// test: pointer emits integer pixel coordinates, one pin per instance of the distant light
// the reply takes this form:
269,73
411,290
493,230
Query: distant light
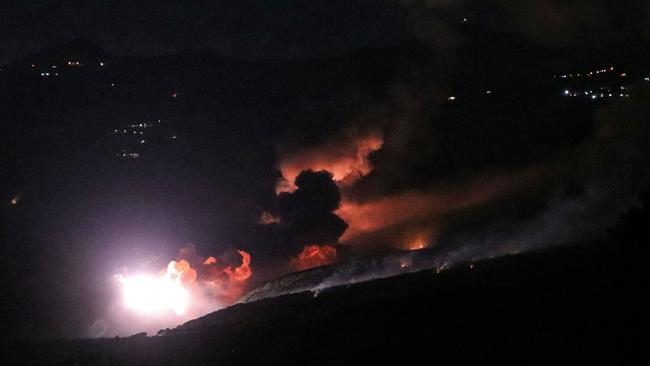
488,92
142,141
14,201
593,97
623,75
101,63
465,20
567,92
646,78
451,98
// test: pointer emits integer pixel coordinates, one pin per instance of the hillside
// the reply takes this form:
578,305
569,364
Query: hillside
556,303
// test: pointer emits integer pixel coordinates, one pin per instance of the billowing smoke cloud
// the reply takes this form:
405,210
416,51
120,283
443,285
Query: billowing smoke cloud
412,211
470,176
347,159
517,206
308,211
224,277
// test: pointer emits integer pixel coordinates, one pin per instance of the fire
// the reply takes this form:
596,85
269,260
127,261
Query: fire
347,161
314,256
417,245
181,286
151,295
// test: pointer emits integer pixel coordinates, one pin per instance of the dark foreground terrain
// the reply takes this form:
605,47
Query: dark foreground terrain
581,303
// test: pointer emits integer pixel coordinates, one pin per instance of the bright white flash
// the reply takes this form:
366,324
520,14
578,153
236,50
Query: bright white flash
150,295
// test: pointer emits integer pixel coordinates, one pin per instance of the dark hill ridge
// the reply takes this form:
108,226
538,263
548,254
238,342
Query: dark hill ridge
568,303
80,50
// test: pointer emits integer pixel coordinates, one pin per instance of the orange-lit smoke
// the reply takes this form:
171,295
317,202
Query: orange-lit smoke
314,256
418,209
226,282
346,159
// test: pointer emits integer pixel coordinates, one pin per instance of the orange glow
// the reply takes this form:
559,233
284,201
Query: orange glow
226,282
346,160
417,245
425,209
314,256
243,272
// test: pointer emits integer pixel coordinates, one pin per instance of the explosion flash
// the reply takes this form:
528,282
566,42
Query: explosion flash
150,295
187,285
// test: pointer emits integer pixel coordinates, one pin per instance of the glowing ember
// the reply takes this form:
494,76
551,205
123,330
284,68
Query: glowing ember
314,256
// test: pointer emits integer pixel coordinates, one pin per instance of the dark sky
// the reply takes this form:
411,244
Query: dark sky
440,122
242,28
292,28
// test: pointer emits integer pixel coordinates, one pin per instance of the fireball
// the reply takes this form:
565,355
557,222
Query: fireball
182,288
151,295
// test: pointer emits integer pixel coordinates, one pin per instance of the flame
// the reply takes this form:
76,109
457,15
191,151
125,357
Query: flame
347,160
417,245
314,256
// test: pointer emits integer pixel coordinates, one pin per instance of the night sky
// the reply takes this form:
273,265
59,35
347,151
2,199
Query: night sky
281,128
